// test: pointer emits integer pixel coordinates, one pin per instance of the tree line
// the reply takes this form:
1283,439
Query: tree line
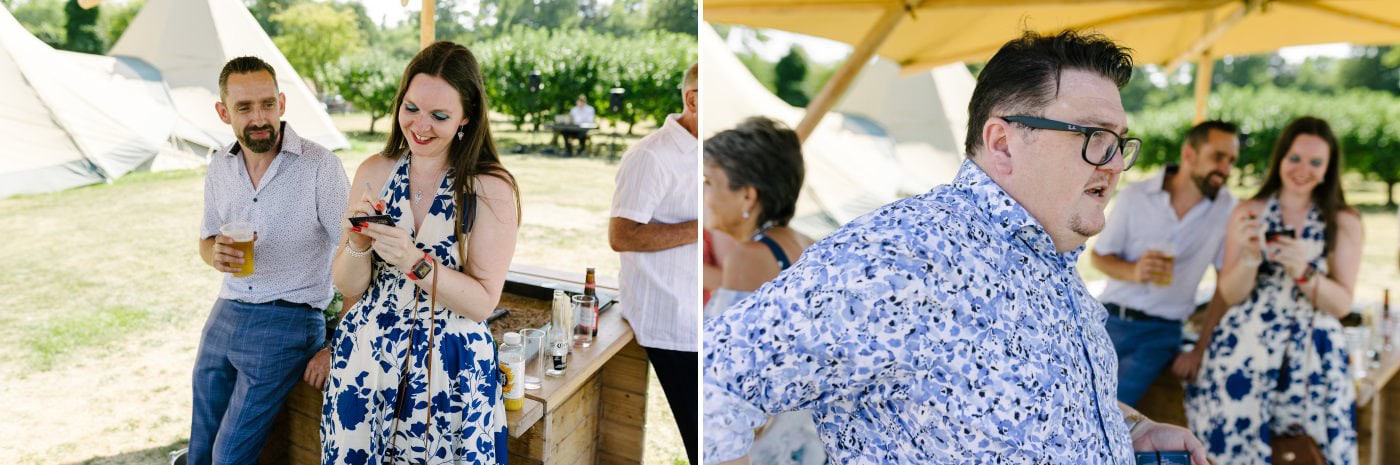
577,46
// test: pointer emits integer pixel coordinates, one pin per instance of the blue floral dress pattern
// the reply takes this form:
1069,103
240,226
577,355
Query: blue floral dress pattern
1238,402
943,328
369,347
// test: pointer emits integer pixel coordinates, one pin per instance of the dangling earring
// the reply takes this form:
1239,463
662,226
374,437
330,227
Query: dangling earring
746,214
459,134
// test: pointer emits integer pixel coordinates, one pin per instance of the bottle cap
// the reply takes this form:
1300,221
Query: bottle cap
512,338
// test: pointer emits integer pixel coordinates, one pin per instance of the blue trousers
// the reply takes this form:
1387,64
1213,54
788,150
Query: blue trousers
1144,349
250,356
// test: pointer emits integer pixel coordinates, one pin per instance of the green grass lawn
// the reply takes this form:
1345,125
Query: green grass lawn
108,275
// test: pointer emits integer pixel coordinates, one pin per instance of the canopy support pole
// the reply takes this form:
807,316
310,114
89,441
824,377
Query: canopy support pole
842,79
426,36
1204,67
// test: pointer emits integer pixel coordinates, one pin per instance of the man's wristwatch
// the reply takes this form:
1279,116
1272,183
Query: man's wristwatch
421,269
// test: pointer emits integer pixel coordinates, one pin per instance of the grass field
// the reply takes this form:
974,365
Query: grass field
105,295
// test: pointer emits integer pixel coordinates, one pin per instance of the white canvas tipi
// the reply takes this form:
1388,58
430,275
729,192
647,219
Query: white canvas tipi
70,119
189,41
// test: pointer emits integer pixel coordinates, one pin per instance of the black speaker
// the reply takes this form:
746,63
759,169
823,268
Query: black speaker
615,100
534,82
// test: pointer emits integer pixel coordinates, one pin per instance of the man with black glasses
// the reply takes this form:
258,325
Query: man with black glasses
952,327
1162,235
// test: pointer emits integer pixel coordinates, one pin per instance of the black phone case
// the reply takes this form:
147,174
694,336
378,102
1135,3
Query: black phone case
380,219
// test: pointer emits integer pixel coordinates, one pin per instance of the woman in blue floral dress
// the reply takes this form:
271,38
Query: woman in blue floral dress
1276,363
413,375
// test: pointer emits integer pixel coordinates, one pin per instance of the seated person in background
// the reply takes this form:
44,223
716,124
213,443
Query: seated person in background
1162,235
582,116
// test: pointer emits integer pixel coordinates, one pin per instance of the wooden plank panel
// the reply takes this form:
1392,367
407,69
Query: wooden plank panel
305,401
529,445
519,421
578,445
623,408
626,373
607,457
624,442
298,455
580,409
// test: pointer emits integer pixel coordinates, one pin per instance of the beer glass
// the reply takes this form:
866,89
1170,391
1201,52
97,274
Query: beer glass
534,351
585,319
1167,250
242,235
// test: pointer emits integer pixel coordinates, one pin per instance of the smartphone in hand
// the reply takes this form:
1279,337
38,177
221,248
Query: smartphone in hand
1273,234
359,221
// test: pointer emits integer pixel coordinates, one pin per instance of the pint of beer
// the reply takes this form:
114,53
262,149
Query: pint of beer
1165,250
242,235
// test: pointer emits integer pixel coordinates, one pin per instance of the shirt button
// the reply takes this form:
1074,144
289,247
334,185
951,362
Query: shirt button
250,288
255,199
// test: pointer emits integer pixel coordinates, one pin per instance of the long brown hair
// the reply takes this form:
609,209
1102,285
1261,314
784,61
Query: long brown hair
475,153
1328,195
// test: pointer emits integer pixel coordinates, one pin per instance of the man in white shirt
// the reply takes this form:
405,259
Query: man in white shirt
655,213
582,115
1162,235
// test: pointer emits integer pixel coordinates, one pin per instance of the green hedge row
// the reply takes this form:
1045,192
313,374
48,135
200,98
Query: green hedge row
1367,123
649,67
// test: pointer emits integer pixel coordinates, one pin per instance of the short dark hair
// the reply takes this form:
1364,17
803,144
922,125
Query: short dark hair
764,154
1024,76
243,65
1200,133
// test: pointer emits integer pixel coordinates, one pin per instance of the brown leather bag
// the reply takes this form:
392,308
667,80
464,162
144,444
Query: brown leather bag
1296,449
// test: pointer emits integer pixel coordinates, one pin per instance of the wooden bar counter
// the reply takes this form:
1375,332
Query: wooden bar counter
594,414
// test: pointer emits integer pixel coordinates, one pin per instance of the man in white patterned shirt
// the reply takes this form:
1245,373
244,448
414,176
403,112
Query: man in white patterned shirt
264,326
655,212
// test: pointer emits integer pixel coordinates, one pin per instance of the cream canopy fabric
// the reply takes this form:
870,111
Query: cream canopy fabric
1162,32
190,40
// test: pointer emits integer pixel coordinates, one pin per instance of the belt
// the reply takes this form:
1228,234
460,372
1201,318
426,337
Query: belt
283,303
1133,314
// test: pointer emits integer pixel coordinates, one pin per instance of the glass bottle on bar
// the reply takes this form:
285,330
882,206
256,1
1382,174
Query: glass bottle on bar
590,288
560,335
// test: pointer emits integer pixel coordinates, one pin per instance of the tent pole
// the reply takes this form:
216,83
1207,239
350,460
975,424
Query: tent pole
425,37
1204,68
839,82
1213,33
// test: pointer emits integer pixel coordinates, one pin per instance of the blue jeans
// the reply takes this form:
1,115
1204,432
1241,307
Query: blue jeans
249,358
1144,349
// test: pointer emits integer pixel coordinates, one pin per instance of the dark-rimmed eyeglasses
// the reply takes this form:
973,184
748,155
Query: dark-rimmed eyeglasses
1102,143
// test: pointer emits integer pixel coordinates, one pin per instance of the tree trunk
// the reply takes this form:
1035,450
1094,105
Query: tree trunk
372,120
1390,193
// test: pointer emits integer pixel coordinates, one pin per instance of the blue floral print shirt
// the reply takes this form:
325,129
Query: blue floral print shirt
943,328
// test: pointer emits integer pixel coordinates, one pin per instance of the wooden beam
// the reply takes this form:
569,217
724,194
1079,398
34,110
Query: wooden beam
839,82
427,35
1204,65
1203,73
1213,34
